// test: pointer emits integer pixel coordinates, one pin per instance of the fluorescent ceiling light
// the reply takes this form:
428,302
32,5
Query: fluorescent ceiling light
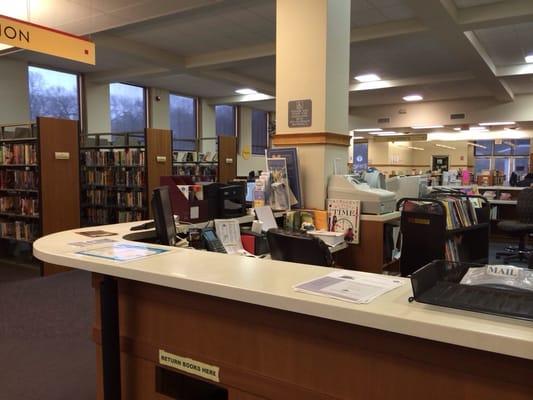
495,123
445,146
415,148
246,91
413,97
389,133
476,145
476,129
358,137
367,78
367,130
456,129
529,58
427,126
472,135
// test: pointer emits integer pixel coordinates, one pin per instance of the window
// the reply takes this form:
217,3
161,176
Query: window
225,120
360,156
481,165
504,155
259,132
53,94
127,108
183,122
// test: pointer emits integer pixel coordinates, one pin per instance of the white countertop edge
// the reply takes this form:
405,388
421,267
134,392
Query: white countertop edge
509,336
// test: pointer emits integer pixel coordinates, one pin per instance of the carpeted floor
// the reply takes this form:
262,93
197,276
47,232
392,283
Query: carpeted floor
45,348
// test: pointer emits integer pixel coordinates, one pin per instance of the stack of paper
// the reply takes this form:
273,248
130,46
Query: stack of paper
356,287
229,233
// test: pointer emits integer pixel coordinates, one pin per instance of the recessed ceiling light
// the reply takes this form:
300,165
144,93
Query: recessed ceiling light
529,58
495,123
427,126
368,78
413,97
245,91
367,130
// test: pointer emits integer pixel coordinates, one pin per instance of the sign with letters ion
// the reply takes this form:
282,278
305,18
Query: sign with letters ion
26,35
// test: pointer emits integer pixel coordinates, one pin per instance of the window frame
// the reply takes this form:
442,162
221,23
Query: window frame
493,157
146,106
80,92
267,141
196,121
236,120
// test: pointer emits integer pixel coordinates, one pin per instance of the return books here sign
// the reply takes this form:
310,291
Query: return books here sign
29,36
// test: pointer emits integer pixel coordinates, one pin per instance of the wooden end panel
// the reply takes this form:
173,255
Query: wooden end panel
227,150
158,144
60,187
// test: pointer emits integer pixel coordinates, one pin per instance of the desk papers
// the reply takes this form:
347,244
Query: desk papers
122,252
353,286
229,233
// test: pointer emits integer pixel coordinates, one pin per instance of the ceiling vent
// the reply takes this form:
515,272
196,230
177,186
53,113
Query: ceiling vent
384,120
458,116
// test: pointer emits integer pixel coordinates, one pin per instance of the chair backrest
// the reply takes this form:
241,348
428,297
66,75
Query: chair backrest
524,206
298,247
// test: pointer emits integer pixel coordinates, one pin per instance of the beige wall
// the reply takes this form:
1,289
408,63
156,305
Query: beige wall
97,98
396,156
160,109
15,106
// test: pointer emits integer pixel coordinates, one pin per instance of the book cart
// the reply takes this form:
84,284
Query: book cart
446,226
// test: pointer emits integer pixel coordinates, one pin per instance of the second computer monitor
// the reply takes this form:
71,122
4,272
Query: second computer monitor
163,217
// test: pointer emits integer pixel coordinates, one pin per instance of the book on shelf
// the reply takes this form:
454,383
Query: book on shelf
451,250
18,153
19,179
114,157
28,206
19,230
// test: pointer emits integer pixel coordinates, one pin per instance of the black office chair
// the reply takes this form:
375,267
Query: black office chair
519,229
298,247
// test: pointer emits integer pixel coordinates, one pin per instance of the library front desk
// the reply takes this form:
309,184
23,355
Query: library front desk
198,325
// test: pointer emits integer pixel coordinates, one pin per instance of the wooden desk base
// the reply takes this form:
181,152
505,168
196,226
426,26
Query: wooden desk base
265,353
368,254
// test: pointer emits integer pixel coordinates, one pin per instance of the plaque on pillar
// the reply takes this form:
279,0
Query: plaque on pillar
300,113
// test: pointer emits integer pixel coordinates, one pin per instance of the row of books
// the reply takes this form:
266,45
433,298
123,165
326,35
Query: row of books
114,177
122,199
460,213
102,216
19,205
18,153
451,249
194,156
17,179
19,230
113,157
196,170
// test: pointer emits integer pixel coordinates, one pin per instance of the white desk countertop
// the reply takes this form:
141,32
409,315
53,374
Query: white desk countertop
269,283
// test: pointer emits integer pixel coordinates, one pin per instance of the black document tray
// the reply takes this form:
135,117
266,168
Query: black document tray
437,283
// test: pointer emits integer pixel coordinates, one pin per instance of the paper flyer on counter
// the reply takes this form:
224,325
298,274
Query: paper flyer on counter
122,252
353,286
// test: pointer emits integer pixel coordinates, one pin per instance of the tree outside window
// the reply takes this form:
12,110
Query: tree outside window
127,108
53,94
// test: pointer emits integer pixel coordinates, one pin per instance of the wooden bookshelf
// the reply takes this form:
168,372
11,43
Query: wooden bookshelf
36,196
118,173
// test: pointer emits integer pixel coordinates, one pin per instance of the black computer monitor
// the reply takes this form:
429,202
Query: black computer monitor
163,218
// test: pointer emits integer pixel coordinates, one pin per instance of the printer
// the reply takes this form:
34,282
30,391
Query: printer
350,187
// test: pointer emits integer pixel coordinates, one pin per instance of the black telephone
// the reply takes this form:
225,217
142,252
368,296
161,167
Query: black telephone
212,242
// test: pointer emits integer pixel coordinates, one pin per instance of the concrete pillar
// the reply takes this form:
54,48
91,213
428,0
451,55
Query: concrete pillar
312,83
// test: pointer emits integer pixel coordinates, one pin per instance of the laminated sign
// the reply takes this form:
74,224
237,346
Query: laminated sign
26,35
